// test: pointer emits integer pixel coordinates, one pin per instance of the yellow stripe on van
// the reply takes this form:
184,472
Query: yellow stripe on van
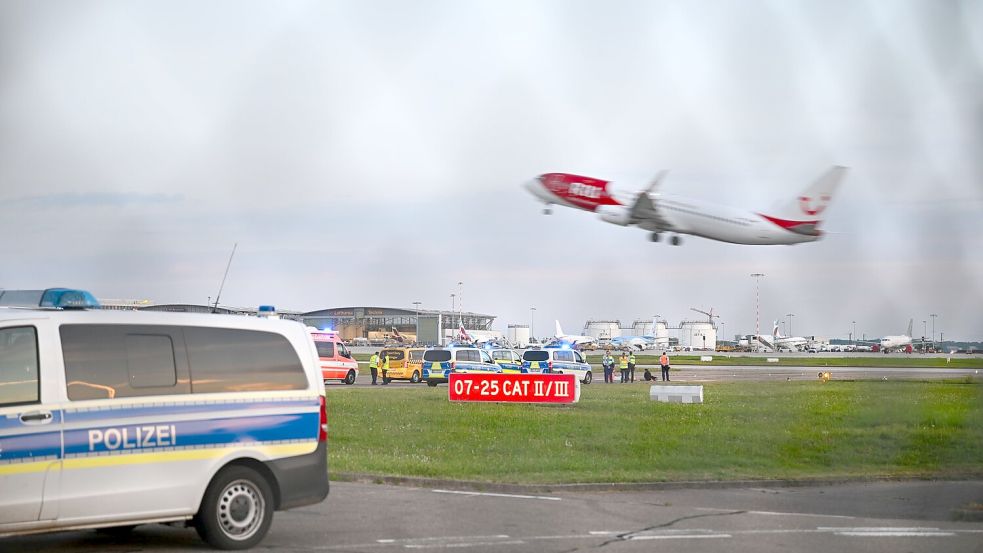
272,451
275,451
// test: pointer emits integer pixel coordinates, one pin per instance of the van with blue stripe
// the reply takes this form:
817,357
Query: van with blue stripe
439,363
115,419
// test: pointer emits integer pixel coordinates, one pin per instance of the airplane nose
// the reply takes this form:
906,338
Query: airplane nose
532,186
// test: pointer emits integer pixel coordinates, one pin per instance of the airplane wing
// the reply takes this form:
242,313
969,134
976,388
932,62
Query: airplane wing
643,210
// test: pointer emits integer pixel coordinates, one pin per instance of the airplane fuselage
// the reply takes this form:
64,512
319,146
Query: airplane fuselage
677,214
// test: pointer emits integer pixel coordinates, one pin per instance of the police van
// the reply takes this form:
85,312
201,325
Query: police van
439,363
114,419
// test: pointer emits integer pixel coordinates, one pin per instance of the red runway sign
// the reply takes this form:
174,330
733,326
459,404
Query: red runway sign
515,388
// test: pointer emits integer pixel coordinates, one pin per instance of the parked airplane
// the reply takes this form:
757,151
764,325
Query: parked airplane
634,342
787,342
898,343
572,339
795,221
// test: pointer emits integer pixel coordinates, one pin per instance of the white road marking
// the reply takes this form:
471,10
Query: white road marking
462,544
888,532
513,496
778,513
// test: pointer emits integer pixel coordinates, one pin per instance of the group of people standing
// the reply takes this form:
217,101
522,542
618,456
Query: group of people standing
626,363
376,364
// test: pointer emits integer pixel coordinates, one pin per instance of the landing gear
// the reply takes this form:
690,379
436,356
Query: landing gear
655,237
676,240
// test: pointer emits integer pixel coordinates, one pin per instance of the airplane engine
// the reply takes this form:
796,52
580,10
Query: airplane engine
613,214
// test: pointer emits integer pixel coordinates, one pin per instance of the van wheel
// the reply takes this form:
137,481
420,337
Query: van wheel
415,379
237,510
350,378
431,383
588,378
386,380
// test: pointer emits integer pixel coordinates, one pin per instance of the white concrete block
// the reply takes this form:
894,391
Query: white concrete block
706,358
772,360
676,394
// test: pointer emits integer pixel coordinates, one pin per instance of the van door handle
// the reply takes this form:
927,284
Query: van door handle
41,417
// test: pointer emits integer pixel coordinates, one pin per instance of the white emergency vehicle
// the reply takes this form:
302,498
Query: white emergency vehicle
114,419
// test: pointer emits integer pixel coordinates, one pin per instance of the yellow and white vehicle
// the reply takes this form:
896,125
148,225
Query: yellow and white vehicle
404,364
114,419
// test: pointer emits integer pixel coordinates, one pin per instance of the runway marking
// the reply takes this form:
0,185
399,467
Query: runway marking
513,496
772,513
888,532
687,534
462,544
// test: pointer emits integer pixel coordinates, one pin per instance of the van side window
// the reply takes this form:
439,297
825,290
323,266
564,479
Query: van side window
343,351
564,355
325,349
150,361
233,360
115,361
19,381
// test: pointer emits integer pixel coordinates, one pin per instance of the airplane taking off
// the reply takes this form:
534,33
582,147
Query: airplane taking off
796,221
572,339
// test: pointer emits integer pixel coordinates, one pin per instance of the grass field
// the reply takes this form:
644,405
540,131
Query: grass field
616,434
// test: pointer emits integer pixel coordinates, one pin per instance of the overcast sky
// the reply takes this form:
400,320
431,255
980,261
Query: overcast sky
371,153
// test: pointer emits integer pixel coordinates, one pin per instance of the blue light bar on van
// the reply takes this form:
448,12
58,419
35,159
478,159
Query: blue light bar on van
59,298
66,298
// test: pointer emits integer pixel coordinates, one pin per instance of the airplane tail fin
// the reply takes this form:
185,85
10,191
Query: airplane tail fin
910,322
774,331
559,331
807,207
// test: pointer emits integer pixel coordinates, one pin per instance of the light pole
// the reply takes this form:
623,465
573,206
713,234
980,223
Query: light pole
460,300
416,305
790,315
757,319
453,307
854,335
532,323
933,315
924,330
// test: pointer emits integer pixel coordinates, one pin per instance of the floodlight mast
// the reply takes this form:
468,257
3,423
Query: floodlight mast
757,311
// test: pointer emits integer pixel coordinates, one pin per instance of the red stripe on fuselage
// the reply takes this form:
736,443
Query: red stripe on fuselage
794,226
583,192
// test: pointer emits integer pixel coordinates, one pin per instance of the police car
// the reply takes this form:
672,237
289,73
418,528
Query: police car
508,359
557,360
439,363
115,419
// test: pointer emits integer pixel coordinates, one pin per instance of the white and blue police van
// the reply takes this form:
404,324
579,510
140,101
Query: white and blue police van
111,419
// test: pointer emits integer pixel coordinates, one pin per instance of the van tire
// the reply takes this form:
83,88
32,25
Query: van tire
415,379
588,377
350,378
431,383
220,520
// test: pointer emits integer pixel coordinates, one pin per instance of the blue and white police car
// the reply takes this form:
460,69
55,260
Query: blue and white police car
115,419
439,363
557,360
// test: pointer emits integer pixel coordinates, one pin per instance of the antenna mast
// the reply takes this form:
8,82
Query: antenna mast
229,264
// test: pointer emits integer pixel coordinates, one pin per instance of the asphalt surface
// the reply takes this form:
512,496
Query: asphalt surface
873,517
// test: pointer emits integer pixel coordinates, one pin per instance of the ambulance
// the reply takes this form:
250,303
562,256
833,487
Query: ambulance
112,419
334,358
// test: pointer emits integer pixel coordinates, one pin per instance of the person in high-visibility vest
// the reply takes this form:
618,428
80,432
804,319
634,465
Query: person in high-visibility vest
623,365
631,366
374,367
607,362
664,361
385,369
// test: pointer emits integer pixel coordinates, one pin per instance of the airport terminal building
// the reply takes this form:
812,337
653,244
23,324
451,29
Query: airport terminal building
376,325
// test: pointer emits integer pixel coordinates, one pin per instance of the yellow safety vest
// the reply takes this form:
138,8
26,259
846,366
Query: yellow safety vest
374,362
632,359
623,362
385,364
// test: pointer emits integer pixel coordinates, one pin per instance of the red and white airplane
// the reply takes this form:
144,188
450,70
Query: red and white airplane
797,220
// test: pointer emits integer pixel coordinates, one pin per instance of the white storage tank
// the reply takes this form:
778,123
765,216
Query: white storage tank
642,328
603,330
697,335
661,335
518,335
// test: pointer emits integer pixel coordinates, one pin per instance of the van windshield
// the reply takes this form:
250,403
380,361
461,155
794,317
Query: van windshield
393,354
437,355
536,355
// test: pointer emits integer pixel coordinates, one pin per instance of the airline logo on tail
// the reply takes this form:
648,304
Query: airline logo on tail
463,334
805,202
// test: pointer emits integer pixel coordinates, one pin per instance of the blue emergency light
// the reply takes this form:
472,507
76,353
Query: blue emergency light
52,298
